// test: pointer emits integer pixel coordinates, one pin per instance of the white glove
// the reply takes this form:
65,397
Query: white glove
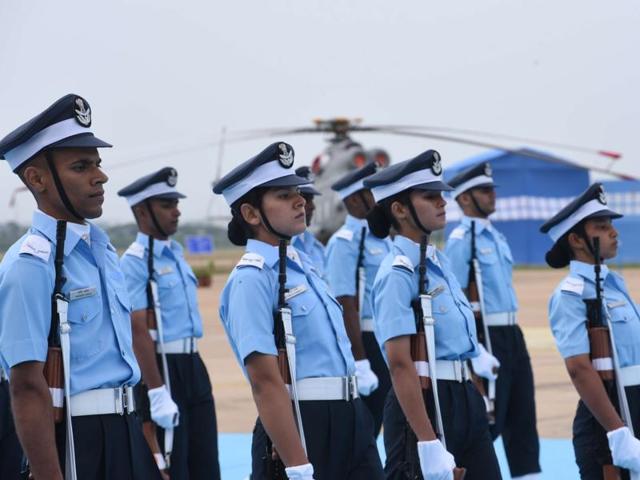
485,364
300,472
164,411
367,380
435,462
625,449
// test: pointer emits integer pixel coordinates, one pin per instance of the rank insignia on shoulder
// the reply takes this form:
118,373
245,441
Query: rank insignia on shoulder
344,234
573,285
458,233
403,261
36,246
136,249
251,260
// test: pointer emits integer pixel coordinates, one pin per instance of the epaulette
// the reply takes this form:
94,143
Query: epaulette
251,259
458,233
345,234
36,246
403,262
135,249
573,285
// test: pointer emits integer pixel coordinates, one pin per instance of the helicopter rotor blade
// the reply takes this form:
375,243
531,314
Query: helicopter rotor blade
489,145
613,155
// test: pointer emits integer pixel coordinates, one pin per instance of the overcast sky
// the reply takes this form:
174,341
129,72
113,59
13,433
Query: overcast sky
166,76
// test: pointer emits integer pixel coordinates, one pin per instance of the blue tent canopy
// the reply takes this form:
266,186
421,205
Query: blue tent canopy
532,187
624,197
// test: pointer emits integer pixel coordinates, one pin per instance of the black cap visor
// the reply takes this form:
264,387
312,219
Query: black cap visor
434,187
287,181
605,213
84,140
308,190
170,196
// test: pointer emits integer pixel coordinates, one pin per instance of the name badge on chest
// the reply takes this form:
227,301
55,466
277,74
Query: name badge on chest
165,270
292,292
82,293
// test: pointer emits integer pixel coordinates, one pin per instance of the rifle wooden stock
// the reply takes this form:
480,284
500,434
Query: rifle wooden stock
419,346
152,323
459,473
601,351
54,375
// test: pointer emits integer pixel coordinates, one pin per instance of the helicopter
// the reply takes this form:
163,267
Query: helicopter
343,154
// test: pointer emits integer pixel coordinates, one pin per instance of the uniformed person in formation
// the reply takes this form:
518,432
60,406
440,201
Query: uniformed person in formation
55,155
154,202
271,278
353,258
307,241
515,412
417,427
576,312
10,451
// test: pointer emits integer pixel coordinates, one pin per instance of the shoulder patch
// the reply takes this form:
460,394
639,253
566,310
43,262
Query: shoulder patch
251,260
344,234
37,246
403,262
135,249
457,233
573,285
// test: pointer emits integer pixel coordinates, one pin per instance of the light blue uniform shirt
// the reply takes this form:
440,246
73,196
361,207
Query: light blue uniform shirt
396,286
314,249
250,299
177,285
496,263
568,313
342,260
99,306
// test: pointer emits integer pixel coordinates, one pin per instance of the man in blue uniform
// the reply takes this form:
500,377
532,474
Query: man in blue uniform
275,302
353,258
154,202
306,241
55,154
591,307
515,412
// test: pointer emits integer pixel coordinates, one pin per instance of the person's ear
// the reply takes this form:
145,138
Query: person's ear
399,211
250,214
35,179
576,242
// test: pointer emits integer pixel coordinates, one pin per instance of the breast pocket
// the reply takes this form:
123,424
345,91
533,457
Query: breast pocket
85,317
170,290
487,256
624,322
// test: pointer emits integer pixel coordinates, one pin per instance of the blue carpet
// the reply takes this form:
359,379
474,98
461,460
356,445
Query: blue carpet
556,457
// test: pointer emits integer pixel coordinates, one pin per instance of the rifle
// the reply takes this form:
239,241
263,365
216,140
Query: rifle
475,294
604,357
360,273
285,344
57,367
154,319
424,354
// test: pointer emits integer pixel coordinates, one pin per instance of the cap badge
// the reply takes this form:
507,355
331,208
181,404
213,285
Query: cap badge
602,197
172,179
436,166
83,112
488,171
286,156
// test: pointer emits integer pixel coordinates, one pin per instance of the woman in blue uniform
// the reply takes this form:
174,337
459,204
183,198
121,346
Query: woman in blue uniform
336,439
600,436
408,197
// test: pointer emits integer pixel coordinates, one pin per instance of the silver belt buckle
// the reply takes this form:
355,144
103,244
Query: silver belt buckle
345,388
457,370
120,401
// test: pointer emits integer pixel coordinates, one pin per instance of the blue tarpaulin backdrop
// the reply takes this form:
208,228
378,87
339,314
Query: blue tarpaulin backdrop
530,191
